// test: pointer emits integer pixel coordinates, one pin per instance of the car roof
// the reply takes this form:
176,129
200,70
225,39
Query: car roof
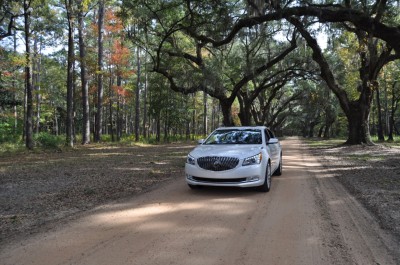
242,128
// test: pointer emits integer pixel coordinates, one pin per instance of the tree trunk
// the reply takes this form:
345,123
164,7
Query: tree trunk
226,113
187,129
144,129
393,108
311,128
36,81
245,110
391,125
214,116
14,86
166,129
137,97
357,112
110,106
320,131
194,114
379,110
358,124
158,129
205,125
55,125
28,84
100,91
327,130
329,120
119,115
85,89
70,76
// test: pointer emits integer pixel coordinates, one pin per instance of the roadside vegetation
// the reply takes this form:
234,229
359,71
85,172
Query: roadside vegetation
332,142
45,142
85,71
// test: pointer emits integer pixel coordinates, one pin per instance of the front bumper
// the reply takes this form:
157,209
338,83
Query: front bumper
241,176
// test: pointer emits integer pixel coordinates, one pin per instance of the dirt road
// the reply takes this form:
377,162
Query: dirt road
307,218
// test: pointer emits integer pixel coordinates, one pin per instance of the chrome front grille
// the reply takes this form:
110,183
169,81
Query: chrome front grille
217,163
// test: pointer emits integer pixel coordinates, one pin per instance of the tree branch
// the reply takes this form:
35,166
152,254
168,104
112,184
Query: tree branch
319,58
10,26
262,68
334,14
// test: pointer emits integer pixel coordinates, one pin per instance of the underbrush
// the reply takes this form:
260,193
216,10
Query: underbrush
332,142
395,142
366,154
49,142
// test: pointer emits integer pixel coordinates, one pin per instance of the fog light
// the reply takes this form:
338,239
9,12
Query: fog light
189,177
251,179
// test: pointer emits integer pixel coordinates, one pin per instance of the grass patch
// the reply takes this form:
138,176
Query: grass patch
389,144
14,219
324,143
12,148
394,143
366,157
329,143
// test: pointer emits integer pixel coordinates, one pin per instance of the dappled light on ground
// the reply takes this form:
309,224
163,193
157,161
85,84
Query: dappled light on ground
300,221
164,213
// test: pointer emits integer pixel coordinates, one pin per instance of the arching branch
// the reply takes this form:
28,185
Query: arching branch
334,14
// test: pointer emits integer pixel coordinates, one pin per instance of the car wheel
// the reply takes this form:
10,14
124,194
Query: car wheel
278,171
267,182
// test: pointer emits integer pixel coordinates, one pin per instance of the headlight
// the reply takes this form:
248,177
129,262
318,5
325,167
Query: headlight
252,160
190,160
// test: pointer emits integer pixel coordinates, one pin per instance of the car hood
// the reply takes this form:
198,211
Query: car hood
231,150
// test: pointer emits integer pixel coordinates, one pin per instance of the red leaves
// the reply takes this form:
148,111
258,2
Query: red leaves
120,91
119,54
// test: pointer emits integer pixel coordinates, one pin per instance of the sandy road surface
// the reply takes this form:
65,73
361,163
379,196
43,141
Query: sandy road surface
307,218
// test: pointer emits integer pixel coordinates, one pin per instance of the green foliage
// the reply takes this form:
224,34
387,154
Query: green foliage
396,141
9,79
47,140
10,139
8,132
152,140
11,147
166,33
7,98
346,61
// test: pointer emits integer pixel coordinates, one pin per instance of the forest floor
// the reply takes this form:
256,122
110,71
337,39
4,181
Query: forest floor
41,189
370,173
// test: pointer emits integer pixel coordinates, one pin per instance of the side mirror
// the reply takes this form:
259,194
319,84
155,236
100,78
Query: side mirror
273,141
201,141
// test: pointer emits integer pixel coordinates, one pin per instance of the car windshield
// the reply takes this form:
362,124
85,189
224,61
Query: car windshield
236,136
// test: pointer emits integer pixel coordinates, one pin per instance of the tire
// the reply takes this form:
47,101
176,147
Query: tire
278,171
267,182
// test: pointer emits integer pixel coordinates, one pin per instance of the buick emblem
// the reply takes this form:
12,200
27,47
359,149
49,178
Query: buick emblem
217,163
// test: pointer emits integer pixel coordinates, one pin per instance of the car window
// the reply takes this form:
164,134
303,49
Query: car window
267,135
248,136
271,133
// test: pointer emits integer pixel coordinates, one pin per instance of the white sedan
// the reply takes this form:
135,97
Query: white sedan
235,157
